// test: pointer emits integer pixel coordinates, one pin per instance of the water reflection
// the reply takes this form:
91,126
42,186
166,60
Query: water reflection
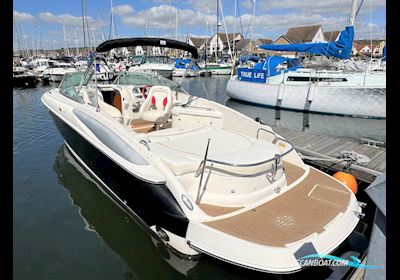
146,256
214,88
340,126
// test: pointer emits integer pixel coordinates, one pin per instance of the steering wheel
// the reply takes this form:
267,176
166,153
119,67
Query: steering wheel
145,90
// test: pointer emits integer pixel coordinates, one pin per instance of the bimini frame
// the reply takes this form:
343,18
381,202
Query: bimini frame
140,41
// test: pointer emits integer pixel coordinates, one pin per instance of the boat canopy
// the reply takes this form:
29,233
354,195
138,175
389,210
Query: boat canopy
184,63
271,63
268,68
158,42
245,58
340,48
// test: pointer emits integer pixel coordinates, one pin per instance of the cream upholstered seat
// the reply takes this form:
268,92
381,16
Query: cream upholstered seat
157,106
88,97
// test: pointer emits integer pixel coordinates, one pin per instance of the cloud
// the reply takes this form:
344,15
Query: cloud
122,10
23,17
66,19
204,6
163,17
332,7
70,20
247,4
364,30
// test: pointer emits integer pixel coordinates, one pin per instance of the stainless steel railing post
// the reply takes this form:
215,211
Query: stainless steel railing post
202,172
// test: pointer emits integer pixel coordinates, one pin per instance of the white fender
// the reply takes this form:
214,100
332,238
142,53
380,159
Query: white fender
311,91
281,90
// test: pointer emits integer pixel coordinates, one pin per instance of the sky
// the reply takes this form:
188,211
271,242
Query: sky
54,24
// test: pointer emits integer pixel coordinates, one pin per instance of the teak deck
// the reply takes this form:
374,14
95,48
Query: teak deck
214,210
141,126
292,216
292,174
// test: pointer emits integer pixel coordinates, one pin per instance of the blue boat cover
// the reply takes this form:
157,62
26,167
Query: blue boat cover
267,68
384,54
245,58
340,48
184,63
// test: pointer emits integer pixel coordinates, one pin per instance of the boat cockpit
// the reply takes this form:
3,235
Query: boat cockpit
192,136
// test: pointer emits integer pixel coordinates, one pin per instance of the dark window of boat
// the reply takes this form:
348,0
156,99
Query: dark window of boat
314,79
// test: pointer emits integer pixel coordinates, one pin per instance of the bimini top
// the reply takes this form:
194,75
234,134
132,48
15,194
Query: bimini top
157,42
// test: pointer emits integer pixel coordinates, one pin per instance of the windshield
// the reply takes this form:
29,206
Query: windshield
137,60
158,59
138,78
70,82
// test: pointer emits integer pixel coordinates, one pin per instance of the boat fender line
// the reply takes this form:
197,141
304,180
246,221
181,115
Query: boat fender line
351,157
311,91
354,157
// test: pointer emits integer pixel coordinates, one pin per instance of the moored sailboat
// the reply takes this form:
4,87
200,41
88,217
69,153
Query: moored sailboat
275,82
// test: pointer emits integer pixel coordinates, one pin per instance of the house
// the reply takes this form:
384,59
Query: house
284,40
305,34
331,36
356,48
364,48
139,50
244,46
378,50
156,51
225,41
258,42
262,41
198,42
281,40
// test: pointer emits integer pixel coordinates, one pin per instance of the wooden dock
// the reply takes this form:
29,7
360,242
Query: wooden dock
315,147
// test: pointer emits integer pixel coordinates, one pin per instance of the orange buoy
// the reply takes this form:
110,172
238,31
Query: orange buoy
347,179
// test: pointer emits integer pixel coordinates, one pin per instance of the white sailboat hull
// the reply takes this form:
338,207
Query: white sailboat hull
365,101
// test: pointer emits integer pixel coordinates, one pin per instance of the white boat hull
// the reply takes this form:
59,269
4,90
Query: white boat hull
180,72
353,101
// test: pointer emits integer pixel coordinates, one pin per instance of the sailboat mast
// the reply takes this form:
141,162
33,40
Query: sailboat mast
66,46
234,28
251,24
17,35
353,12
112,34
216,54
83,26
52,46
76,44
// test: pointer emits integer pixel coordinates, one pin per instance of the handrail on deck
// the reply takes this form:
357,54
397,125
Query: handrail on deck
245,164
266,130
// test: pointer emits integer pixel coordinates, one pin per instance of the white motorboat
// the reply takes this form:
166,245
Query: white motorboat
103,70
218,68
158,65
181,68
57,70
199,175
22,77
39,65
